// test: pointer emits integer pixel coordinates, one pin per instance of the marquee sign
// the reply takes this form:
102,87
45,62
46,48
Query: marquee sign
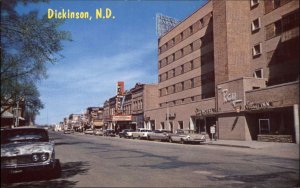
121,118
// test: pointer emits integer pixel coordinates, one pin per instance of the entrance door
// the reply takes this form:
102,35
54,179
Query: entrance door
200,125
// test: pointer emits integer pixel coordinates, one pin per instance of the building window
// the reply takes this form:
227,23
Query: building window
192,98
256,50
290,21
162,125
192,83
254,3
258,73
182,69
180,123
255,25
273,30
192,64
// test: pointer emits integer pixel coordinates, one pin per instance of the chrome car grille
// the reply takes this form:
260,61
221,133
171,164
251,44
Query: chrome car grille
16,160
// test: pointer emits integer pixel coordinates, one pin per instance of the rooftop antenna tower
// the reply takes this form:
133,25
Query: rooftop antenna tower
164,24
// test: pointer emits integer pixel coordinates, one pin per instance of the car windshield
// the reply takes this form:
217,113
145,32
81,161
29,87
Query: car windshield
24,135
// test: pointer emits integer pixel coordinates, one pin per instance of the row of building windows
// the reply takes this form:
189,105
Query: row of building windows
206,39
274,29
188,66
188,84
288,22
188,99
171,128
186,33
271,5
138,105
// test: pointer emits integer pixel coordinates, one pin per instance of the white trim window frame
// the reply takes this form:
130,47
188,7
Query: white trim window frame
254,3
261,73
257,49
256,25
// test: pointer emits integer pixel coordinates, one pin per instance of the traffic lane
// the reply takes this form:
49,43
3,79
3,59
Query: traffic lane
103,161
225,166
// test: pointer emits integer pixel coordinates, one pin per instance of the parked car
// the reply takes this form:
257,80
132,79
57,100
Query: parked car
129,133
27,151
89,131
141,133
187,136
109,132
161,134
123,133
68,131
98,132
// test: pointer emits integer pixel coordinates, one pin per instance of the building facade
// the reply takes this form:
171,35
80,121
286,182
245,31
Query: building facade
233,64
133,104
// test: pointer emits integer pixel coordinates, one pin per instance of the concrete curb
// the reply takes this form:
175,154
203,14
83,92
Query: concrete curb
228,145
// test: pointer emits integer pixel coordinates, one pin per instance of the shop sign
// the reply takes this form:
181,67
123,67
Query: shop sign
257,106
121,118
200,112
228,97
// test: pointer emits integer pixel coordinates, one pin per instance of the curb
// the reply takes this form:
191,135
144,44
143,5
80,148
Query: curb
228,145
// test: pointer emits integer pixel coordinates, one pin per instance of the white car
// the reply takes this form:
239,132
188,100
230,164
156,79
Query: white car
160,134
89,131
141,133
27,150
187,136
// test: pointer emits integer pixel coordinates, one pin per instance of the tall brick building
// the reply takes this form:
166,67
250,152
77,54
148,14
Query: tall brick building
233,64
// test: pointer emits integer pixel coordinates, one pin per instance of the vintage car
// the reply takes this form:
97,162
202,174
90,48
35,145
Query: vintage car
28,151
123,133
187,136
141,133
69,131
89,131
109,132
160,134
129,133
98,132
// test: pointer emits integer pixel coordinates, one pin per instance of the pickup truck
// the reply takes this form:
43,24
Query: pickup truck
187,136
140,133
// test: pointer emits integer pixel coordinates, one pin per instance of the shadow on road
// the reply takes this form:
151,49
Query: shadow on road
69,170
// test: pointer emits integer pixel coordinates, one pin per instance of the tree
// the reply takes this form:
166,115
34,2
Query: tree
28,43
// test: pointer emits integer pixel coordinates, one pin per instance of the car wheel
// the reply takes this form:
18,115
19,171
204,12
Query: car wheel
139,137
148,137
56,171
170,140
182,141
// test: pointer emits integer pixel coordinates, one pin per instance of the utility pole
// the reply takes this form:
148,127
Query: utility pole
168,113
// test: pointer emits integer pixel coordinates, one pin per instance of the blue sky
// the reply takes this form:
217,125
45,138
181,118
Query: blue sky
103,52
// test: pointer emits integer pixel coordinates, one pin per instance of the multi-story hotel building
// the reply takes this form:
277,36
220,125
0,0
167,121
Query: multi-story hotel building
233,64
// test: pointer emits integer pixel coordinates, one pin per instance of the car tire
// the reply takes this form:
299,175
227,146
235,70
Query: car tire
56,171
170,140
148,137
182,141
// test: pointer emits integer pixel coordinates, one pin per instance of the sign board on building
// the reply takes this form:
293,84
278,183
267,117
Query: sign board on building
121,118
120,88
212,129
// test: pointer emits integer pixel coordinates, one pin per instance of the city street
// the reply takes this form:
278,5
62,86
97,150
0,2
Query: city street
97,161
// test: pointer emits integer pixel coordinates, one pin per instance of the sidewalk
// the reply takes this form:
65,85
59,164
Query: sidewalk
251,144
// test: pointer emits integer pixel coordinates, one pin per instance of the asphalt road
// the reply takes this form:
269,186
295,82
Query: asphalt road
96,161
